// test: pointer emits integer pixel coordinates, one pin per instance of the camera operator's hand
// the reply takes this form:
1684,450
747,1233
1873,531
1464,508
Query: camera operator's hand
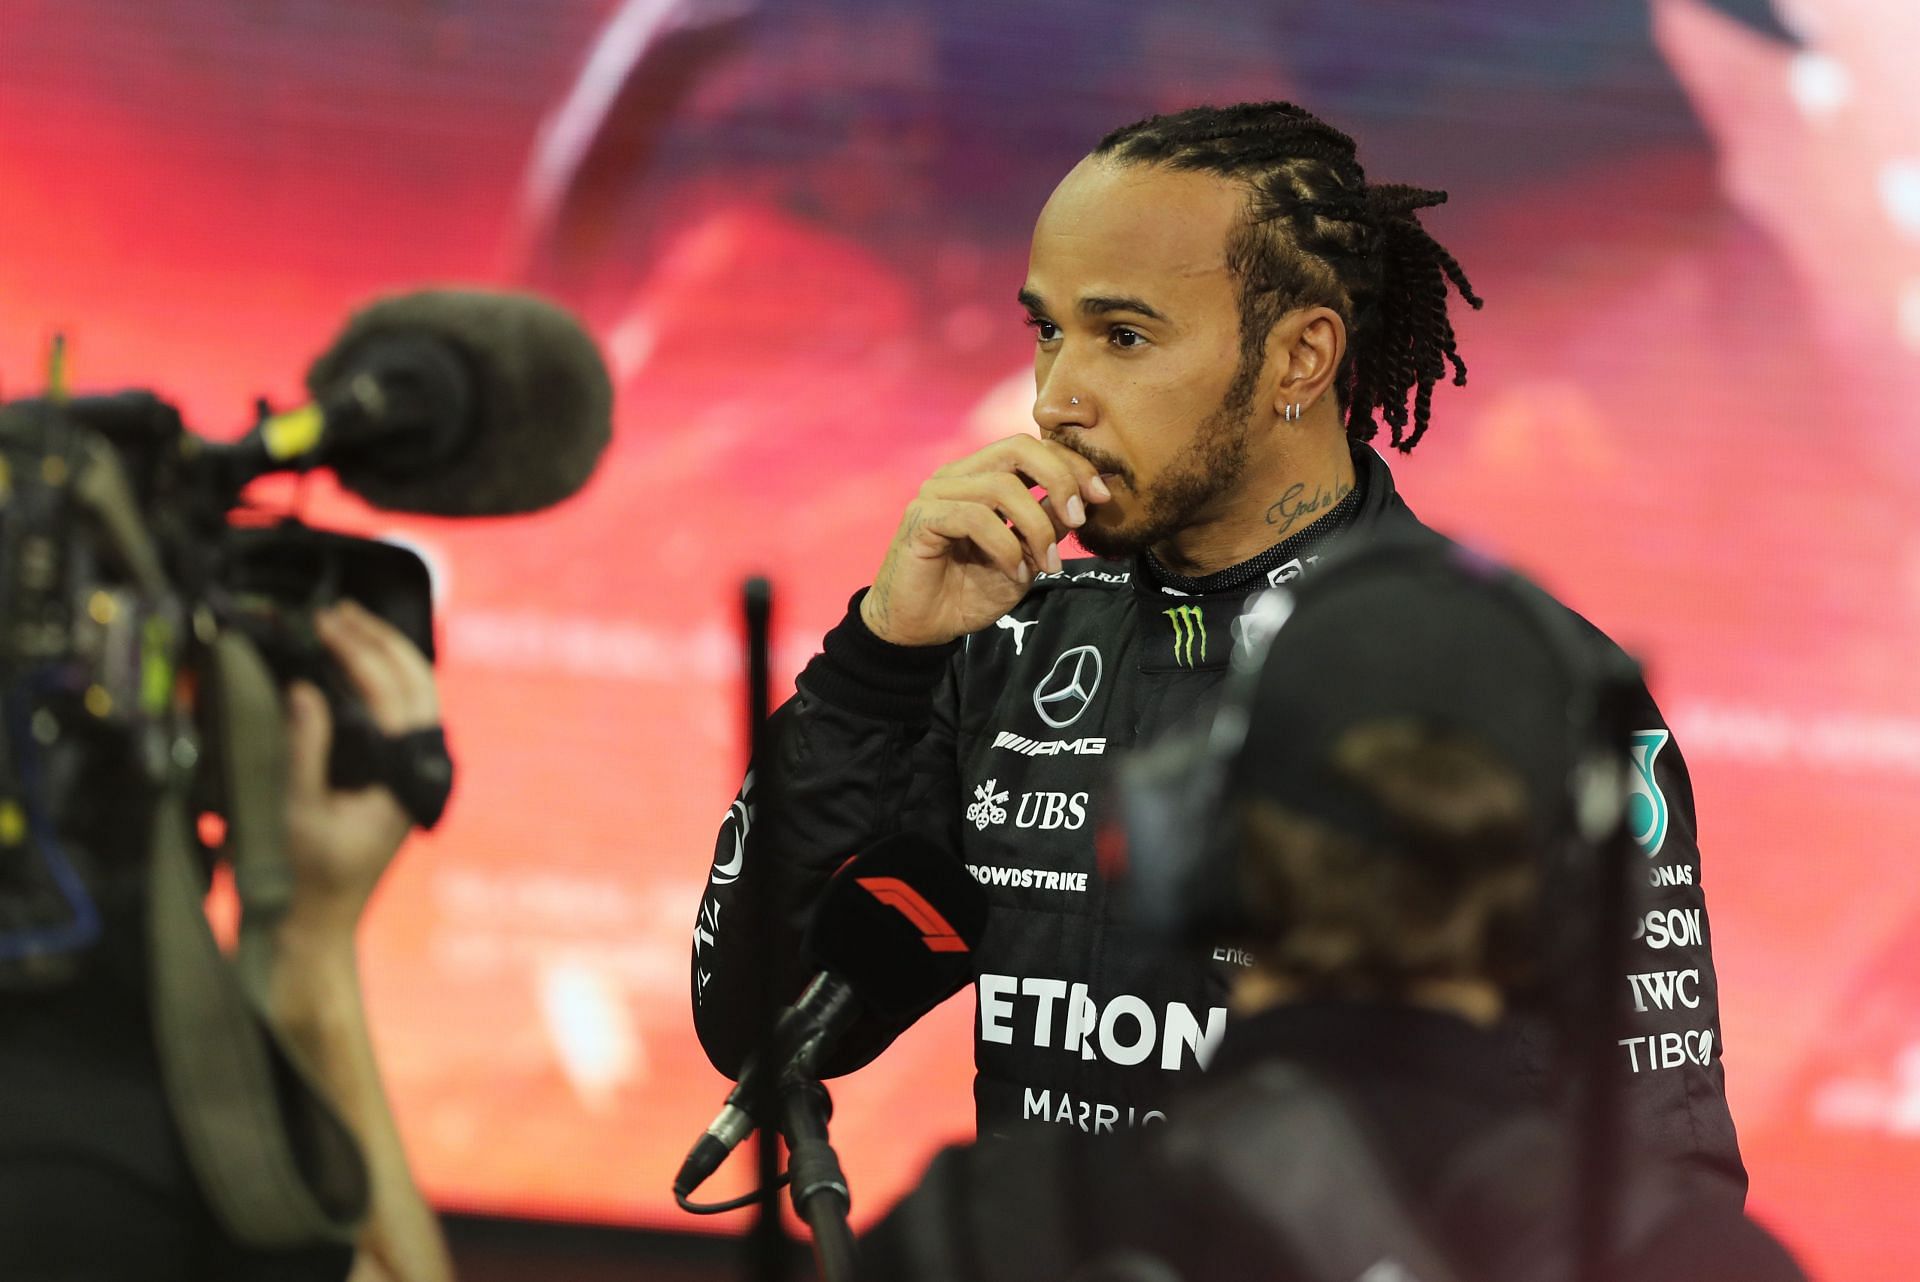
339,843
975,536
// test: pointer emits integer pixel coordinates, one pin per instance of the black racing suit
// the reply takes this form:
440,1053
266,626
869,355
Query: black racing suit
1329,1139
997,748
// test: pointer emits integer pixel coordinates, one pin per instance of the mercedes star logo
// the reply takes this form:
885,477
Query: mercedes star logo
1064,693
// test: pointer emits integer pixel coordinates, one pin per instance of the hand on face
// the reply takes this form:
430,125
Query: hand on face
339,843
971,542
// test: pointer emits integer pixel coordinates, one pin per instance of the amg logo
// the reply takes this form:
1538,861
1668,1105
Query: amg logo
1126,1031
1095,1119
1670,1050
1660,989
1670,928
1050,748
1028,878
1670,875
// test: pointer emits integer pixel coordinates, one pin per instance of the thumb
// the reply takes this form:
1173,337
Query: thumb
309,737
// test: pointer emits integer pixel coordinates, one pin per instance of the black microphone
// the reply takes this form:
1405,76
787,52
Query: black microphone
893,935
449,402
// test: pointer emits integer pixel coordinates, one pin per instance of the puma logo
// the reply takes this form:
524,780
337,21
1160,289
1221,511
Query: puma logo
1018,627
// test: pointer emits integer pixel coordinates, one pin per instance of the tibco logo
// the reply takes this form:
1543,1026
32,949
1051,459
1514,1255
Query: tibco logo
1669,1050
1125,1031
1050,748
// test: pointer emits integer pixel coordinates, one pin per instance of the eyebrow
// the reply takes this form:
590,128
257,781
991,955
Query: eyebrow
1095,305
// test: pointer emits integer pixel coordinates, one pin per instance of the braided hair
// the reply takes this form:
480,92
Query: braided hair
1318,234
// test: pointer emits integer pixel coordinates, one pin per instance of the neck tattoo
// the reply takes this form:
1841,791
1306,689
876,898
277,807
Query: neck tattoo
1297,505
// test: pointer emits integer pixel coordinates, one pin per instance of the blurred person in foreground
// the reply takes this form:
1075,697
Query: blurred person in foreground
1404,851
95,1183
1225,310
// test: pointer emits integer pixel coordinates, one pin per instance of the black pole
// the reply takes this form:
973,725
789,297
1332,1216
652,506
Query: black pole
819,1187
766,1246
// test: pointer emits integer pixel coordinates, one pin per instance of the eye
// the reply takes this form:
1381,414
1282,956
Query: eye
1122,337
1044,331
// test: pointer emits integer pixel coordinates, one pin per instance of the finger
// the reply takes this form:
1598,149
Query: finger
1036,463
1064,475
309,740
980,526
1033,523
1078,477
422,696
379,681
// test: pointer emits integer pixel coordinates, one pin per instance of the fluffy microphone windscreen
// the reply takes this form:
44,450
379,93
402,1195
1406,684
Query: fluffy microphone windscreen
541,402
899,922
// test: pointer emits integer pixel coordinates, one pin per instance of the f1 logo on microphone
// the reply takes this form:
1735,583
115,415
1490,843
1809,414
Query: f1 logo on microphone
935,931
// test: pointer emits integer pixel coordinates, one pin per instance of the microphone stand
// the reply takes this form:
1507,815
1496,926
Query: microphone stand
819,1187
767,1240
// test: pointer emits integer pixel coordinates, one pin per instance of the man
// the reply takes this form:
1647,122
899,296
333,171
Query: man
1221,304
1386,839
95,1182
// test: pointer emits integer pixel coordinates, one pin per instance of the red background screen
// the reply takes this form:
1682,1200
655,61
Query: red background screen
798,231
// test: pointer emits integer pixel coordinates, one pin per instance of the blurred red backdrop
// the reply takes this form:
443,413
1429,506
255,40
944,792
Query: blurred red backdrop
1693,413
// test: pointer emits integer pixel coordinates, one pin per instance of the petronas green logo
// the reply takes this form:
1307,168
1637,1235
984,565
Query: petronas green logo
1189,628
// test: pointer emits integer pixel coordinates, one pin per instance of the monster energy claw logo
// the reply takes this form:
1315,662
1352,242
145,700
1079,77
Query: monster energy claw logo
1189,625
1646,804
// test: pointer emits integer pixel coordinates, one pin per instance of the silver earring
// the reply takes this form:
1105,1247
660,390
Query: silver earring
1292,411
1073,400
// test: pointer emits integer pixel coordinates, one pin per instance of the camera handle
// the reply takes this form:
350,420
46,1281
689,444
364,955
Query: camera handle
819,1187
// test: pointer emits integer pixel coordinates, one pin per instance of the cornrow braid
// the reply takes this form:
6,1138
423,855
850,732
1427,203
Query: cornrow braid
1318,234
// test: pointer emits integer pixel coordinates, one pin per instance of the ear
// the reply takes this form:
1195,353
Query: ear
1304,350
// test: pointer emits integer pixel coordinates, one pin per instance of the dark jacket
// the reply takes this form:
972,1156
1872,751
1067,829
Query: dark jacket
1330,1140
95,1184
998,748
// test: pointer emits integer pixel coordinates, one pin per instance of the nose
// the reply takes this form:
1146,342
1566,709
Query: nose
1061,399
1058,405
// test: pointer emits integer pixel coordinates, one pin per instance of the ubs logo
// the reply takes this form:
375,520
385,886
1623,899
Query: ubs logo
1069,686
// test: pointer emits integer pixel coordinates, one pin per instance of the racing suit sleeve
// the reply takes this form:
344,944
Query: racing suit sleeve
1675,1083
863,750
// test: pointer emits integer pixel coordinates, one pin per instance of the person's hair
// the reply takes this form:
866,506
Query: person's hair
1450,892
1318,234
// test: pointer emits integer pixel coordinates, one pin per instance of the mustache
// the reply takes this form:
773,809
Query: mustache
1099,458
